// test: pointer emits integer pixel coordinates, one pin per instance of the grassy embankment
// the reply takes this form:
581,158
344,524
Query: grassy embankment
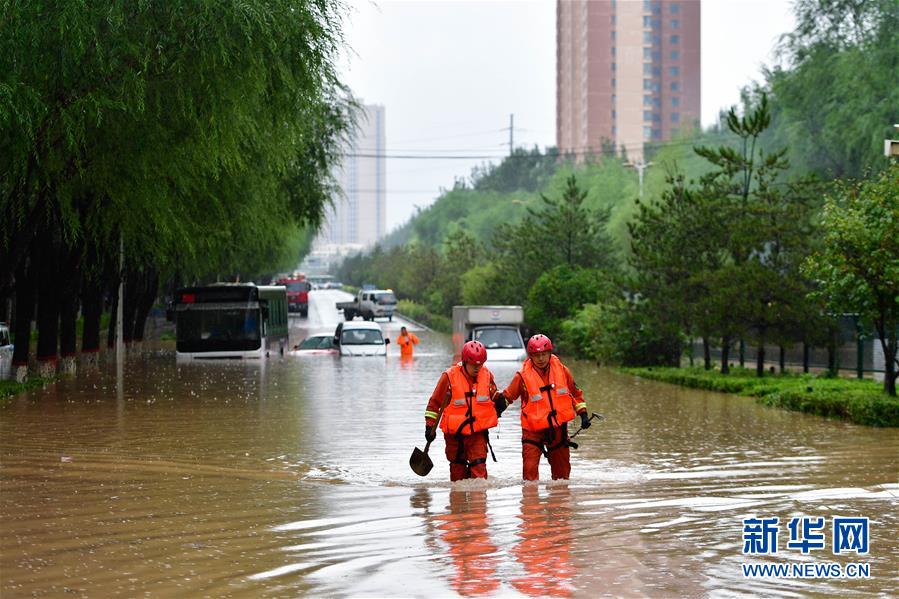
419,313
859,401
11,388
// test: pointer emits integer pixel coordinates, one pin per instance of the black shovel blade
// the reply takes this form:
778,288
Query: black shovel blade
420,462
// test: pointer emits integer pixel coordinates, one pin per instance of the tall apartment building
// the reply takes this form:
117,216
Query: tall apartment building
627,71
359,215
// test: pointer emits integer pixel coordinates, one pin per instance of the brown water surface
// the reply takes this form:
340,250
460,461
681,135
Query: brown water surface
291,478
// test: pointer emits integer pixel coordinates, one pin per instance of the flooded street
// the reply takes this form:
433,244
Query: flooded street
290,477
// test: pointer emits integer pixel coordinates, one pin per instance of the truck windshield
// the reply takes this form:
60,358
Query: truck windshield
385,298
361,337
499,338
294,287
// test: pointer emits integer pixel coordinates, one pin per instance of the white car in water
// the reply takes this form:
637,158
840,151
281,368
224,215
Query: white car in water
360,339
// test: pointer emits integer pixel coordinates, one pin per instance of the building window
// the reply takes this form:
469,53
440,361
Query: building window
647,37
657,102
613,67
614,114
675,54
613,51
675,24
613,20
613,84
657,71
647,5
647,22
613,36
675,86
657,134
674,39
675,102
647,100
647,133
647,84
647,53
675,117
674,71
674,131
675,8
647,115
647,68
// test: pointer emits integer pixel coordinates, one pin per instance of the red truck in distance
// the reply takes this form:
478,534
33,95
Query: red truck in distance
297,293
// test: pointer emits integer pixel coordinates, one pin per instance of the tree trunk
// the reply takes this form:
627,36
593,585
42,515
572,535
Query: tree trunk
91,309
706,353
832,356
145,302
783,359
805,352
23,317
889,343
725,355
742,354
70,282
760,355
113,311
48,296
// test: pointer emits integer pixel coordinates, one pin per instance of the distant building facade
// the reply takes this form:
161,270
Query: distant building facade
359,216
627,73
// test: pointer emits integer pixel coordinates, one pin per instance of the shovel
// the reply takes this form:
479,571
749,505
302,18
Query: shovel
419,461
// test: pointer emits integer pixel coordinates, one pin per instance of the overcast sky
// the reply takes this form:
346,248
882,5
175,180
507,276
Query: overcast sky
450,72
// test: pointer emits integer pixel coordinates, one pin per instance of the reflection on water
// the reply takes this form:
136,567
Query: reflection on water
544,548
290,477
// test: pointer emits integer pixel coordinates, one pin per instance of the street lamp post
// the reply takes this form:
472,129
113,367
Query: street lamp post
641,168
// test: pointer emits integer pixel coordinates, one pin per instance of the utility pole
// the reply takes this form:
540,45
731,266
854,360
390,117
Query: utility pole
641,168
511,133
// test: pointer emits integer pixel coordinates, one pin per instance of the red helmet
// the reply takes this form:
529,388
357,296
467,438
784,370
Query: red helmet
474,352
539,343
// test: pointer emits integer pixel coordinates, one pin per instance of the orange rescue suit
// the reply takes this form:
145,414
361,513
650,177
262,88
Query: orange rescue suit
406,342
470,409
543,399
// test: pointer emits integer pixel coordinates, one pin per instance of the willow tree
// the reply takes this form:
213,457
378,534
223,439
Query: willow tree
199,137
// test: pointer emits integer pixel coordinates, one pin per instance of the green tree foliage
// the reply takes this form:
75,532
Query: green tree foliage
524,170
835,96
857,268
561,292
201,136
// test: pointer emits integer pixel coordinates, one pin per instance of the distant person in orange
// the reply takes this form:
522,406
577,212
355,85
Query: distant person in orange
406,340
549,401
467,390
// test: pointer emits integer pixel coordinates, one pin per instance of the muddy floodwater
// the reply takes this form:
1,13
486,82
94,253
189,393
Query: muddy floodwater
290,478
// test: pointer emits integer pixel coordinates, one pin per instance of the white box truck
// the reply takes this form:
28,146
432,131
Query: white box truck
497,327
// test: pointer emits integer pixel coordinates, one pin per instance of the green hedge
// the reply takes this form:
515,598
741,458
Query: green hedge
862,402
11,388
421,314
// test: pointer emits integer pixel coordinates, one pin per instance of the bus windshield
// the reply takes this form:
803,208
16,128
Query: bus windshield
361,337
498,338
220,327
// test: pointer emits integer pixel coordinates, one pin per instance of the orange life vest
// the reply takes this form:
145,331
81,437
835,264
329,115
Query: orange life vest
543,399
470,408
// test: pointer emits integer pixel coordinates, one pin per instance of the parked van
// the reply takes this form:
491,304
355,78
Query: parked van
360,339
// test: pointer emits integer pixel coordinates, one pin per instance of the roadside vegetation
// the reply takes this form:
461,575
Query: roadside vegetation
859,401
11,388
761,231
157,144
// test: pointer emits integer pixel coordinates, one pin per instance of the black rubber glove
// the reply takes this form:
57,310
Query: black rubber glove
585,420
500,403
430,433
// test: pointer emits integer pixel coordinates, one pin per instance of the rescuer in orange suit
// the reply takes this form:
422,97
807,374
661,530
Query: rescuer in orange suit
549,400
468,391
406,340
